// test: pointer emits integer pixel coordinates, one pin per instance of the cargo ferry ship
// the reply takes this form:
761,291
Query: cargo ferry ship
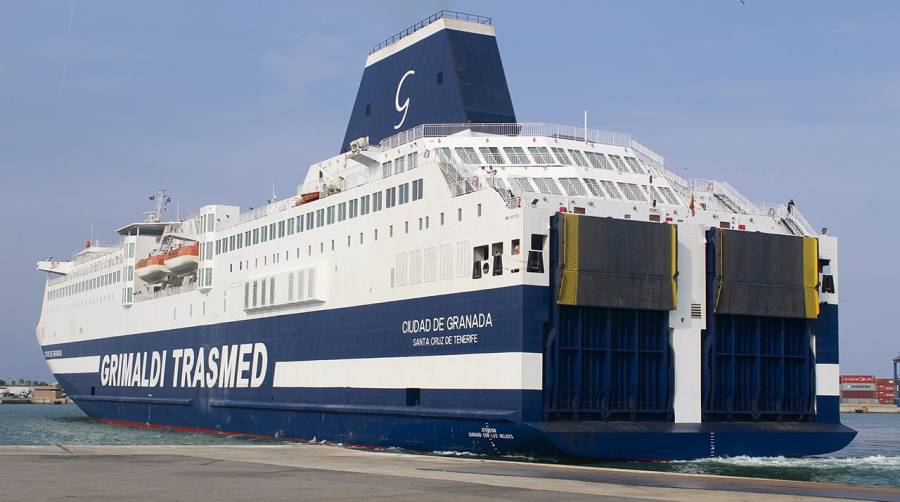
457,280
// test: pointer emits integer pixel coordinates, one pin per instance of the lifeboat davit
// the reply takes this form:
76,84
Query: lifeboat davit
151,269
183,259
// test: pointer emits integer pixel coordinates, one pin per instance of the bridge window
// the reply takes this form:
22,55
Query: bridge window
561,155
594,187
611,189
618,162
573,187
578,157
598,160
540,154
468,156
516,155
521,185
634,164
491,154
547,186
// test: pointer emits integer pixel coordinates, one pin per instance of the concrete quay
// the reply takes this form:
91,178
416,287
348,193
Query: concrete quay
319,472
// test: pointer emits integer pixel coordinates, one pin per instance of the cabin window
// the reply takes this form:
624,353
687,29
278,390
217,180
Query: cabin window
309,221
399,165
516,247
329,217
406,227
342,211
320,218
573,187
299,223
364,205
459,214
417,189
412,160
620,165
521,185
479,210
280,229
386,169
354,207
404,193
376,201
390,197
634,165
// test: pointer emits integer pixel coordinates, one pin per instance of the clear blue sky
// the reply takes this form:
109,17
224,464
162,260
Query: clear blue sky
102,101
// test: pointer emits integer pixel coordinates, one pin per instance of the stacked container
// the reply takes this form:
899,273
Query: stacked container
858,389
885,390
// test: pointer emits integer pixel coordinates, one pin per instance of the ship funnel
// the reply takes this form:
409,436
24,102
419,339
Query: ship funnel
444,69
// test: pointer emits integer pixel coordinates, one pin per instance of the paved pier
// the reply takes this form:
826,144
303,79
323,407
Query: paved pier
317,472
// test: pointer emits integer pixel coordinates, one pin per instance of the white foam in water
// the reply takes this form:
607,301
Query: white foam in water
872,462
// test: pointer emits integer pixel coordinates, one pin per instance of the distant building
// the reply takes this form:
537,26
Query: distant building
46,394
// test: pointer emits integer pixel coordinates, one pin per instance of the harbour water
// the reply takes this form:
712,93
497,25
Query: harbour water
872,459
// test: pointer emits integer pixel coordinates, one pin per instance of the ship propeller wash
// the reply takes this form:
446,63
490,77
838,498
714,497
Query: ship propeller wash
457,280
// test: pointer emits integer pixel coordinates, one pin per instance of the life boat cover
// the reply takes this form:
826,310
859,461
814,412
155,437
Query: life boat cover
613,263
758,274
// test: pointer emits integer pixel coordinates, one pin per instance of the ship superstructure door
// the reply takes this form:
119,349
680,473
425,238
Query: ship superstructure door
758,348
607,354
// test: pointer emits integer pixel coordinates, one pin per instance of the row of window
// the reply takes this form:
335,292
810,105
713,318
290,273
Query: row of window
598,188
390,197
400,164
85,285
516,156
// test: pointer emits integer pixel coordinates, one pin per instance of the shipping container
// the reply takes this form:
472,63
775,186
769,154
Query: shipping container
857,379
858,386
861,394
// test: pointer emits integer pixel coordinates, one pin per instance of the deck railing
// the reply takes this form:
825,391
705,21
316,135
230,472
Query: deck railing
443,14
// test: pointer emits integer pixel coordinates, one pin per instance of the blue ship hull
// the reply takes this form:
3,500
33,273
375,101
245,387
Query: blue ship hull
485,421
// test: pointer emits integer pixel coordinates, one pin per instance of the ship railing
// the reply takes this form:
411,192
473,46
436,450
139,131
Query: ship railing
144,296
270,208
529,129
792,217
443,14
728,197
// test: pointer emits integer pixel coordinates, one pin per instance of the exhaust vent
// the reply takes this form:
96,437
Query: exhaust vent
696,311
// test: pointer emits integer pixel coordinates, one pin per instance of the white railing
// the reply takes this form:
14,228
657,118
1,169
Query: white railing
793,215
529,129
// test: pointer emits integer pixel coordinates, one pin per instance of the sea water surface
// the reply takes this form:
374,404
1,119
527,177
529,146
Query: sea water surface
873,458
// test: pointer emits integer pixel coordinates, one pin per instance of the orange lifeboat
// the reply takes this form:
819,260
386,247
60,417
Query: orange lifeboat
307,197
151,269
183,259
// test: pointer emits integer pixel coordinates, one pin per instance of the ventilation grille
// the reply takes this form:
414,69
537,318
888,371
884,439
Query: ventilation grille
696,311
